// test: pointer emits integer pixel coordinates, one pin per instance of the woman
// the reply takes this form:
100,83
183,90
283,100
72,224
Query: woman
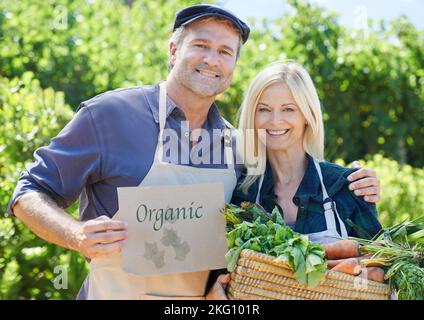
312,195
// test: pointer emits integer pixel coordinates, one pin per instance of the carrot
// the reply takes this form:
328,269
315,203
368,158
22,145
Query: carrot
373,273
349,266
341,249
332,263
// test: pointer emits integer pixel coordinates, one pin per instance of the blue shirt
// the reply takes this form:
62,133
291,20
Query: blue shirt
359,216
111,143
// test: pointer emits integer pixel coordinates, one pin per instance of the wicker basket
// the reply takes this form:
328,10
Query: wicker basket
257,276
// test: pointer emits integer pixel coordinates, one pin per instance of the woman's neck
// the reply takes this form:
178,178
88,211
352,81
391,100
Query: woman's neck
288,166
195,108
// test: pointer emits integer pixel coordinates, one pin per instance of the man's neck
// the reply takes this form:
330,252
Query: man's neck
195,108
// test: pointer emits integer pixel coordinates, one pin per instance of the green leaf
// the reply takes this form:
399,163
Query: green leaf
276,216
231,238
400,236
312,261
298,258
255,246
248,234
262,230
232,257
315,278
239,242
301,275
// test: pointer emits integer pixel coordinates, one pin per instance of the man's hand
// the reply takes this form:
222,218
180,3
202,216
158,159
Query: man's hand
365,183
217,292
101,237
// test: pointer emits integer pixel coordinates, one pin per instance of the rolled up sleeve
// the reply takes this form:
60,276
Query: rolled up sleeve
66,165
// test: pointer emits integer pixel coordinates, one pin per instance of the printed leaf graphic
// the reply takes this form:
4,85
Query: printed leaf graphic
181,251
153,254
151,249
170,238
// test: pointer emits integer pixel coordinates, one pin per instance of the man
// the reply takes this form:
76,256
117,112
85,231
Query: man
113,142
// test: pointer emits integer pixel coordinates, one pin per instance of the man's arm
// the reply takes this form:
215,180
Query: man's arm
55,180
96,238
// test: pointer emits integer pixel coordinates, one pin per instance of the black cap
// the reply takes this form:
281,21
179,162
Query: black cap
193,13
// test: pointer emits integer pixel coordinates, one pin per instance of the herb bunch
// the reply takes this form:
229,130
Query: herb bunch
400,249
251,227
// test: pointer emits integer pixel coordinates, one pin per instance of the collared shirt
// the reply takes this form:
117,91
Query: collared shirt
353,210
111,143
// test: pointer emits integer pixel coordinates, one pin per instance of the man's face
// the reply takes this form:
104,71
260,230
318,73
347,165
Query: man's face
205,61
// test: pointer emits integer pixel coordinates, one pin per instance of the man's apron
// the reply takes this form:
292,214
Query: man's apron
330,212
107,280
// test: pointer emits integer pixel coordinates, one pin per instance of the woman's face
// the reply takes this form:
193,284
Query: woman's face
278,114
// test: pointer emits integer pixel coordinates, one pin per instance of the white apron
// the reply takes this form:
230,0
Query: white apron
107,280
330,212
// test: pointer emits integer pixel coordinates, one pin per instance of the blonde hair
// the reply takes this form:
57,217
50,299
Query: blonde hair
178,35
304,93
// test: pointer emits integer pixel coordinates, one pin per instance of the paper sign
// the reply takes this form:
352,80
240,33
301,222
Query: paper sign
173,229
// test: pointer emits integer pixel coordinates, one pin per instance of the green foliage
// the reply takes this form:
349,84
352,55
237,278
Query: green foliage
84,48
407,280
55,54
401,189
29,117
371,86
400,249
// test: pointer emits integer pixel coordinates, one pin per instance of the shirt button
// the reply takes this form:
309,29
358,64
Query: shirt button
186,134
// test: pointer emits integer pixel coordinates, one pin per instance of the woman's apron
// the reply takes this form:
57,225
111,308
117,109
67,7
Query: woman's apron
107,280
330,212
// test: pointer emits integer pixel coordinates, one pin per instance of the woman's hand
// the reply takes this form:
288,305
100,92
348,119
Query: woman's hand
364,182
217,292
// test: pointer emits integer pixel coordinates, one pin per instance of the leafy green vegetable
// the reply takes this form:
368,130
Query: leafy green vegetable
407,279
400,249
251,227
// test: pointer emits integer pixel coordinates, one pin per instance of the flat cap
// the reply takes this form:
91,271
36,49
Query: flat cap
190,14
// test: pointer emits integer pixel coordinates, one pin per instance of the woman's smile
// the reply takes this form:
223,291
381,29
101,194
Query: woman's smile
277,133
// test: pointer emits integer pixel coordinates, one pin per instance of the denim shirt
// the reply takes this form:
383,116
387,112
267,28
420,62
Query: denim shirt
353,210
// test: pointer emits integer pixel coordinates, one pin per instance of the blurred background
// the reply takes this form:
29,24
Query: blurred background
365,57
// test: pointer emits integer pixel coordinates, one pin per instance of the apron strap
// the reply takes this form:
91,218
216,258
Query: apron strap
342,225
258,195
162,120
330,210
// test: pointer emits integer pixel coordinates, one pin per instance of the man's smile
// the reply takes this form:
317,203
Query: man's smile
207,73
